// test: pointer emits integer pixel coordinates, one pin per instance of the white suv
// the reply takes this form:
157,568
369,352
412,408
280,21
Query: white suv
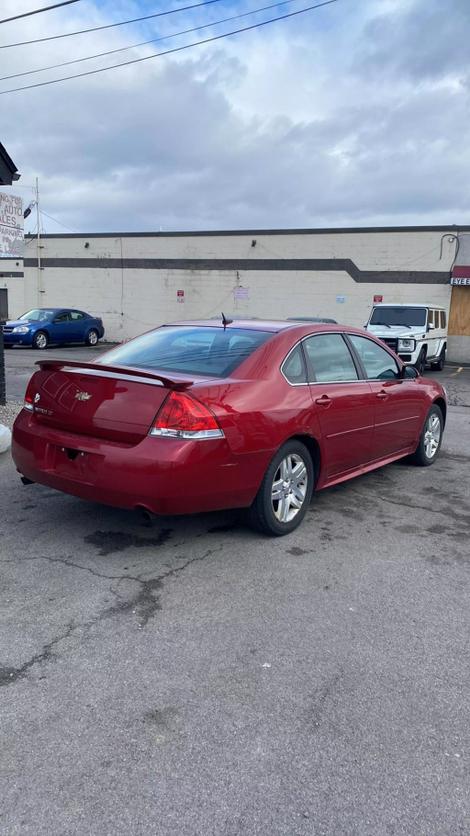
417,333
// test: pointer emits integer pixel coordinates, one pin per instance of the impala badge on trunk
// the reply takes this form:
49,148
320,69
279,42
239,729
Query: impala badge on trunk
82,396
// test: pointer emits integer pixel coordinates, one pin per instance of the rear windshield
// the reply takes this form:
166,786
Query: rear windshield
399,316
190,350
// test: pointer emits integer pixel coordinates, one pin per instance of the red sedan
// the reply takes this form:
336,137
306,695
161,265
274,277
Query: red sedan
200,416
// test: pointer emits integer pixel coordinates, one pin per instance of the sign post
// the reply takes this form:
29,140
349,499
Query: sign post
3,318
11,246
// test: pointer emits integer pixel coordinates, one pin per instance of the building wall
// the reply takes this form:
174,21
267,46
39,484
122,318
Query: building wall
132,280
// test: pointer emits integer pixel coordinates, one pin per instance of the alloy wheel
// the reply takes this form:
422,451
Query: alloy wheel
289,487
432,435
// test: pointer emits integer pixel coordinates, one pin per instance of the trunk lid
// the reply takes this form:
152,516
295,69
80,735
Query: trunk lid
114,403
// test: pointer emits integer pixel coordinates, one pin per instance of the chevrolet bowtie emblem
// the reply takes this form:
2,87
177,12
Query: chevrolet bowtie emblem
82,396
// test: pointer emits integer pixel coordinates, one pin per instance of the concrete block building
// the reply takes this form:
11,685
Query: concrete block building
136,281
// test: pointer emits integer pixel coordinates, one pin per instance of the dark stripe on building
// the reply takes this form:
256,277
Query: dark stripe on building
342,265
12,275
450,230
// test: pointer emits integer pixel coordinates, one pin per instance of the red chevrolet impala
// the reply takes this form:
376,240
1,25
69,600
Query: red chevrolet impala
199,416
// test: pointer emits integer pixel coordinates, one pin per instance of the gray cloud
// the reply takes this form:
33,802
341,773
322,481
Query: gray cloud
193,143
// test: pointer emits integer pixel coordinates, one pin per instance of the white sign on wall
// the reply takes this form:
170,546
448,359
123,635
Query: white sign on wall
11,226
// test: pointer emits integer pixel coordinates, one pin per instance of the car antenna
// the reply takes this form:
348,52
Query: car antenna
226,321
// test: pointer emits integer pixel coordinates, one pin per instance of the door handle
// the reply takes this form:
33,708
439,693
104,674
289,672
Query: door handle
323,401
382,395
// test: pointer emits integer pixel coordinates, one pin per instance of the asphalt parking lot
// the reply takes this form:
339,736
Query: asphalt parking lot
196,678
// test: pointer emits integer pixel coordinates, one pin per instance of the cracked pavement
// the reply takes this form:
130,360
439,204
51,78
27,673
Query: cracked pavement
195,678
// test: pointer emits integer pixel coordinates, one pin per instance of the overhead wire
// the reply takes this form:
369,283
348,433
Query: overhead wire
171,51
38,11
42,212
110,25
151,41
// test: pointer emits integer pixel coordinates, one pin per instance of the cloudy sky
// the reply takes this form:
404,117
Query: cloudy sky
356,113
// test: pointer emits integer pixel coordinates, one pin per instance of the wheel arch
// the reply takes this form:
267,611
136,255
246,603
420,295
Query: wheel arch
313,448
440,402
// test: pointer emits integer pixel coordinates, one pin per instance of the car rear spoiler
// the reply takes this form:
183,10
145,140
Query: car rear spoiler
123,372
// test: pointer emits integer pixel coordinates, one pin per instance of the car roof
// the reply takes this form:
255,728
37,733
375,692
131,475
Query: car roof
311,319
273,325
408,305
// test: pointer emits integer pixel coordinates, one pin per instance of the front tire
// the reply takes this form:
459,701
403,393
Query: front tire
431,438
285,493
40,340
92,337
421,362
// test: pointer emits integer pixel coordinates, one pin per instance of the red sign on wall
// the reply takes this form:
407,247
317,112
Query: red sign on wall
378,298
180,295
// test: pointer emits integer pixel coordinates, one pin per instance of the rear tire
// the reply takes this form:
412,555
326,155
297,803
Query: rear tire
92,337
285,492
438,367
40,340
431,438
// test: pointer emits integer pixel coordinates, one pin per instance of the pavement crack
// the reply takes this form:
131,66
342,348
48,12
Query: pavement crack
147,600
145,603
73,565
10,675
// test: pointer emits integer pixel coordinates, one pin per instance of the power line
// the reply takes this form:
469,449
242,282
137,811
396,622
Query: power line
171,51
111,25
152,41
56,221
38,11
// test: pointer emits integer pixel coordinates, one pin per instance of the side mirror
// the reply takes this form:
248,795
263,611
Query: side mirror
431,326
409,373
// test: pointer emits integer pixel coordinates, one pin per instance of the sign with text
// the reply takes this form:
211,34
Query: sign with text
460,281
11,226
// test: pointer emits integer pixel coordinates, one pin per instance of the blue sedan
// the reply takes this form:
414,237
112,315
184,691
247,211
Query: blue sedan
42,326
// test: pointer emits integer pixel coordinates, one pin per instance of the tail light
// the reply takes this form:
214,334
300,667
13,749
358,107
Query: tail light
182,416
29,396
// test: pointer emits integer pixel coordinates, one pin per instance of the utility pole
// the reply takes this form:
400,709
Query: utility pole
38,245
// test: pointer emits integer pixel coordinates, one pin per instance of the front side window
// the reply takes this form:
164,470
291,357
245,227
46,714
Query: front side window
189,349
378,363
431,319
293,367
63,317
329,358
408,316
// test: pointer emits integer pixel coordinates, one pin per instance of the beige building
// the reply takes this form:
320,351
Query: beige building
136,281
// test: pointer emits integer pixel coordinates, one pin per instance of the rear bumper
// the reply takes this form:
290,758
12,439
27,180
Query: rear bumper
165,476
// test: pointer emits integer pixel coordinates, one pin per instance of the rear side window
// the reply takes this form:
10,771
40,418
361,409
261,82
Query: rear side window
293,367
443,319
329,358
76,315
189,350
